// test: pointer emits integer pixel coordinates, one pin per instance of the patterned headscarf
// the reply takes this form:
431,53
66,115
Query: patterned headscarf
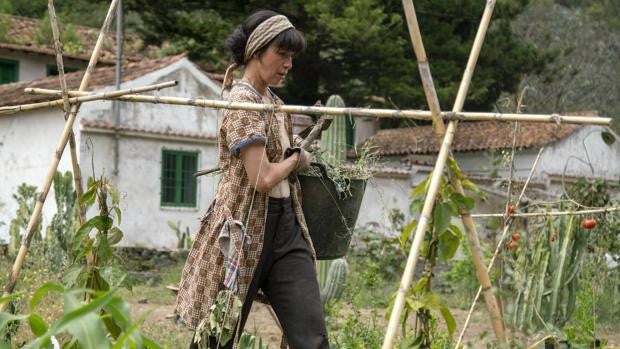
262,35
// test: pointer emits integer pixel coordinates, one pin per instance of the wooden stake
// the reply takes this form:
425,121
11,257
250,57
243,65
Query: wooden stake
425,216
77,173
36,214
312,110
439,127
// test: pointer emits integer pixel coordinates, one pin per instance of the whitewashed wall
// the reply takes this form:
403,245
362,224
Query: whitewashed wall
144,220
27,144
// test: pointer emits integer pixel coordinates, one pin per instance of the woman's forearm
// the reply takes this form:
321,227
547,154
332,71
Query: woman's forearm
262,174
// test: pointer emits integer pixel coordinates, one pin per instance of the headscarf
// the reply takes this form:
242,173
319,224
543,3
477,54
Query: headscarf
260,36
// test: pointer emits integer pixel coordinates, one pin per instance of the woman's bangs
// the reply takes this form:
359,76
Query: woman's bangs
290,40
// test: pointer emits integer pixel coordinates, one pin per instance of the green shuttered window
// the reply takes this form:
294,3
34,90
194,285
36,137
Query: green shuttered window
178,184
8,71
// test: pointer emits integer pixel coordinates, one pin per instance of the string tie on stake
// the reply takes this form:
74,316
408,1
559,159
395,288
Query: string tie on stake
557,118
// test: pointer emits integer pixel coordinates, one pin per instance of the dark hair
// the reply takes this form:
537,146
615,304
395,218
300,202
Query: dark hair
290,39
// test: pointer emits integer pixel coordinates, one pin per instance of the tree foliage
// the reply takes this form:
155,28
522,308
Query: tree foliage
359,49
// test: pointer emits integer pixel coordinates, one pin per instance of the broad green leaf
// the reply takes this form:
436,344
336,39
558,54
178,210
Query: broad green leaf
75,315
421,188
419,286
37,324
442,214
413,304
81,253
404,236
88,328
71,276
449,242
449,319
102,223
42,291
88,198
462,201
115,235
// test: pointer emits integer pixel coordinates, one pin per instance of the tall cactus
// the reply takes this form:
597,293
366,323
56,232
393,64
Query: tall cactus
334,143
334,139
336,280
544,274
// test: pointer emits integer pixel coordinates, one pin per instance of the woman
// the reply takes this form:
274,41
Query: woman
254,234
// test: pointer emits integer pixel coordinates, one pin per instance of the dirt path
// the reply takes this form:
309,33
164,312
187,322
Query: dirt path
160,325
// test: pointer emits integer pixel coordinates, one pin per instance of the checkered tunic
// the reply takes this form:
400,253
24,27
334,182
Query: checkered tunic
204,270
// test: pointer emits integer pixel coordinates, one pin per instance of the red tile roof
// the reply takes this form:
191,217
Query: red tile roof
105,125
22,36
13,94
470,136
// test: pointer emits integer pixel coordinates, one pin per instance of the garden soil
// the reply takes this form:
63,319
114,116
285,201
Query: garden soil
159,317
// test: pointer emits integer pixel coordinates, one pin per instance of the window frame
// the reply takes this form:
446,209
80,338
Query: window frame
15,64
177,201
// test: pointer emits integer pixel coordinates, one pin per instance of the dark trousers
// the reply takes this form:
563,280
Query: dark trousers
287,276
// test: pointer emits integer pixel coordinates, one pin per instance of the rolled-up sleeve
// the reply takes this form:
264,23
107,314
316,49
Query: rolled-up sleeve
243,128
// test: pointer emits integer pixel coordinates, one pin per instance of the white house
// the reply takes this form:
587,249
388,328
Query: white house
482,149
159,147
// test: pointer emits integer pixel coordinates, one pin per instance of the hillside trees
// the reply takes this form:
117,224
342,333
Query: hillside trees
359,49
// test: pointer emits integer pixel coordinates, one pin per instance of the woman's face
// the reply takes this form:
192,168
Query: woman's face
274,63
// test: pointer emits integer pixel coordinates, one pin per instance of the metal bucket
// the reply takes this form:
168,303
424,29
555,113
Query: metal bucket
330,219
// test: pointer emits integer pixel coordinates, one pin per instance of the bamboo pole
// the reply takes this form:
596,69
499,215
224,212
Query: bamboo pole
36,214
83,97
439,127
435,180
77,173
549,214
313,110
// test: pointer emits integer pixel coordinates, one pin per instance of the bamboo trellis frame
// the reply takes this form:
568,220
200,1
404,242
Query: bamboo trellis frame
310,110
36,214
74,98
470,228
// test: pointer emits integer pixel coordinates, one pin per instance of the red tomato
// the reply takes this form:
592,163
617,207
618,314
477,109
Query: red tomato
512,245
588,223
510,209
515,236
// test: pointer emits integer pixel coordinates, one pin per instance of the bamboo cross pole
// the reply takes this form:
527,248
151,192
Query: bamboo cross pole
77,173
36,214
83,97
437,173
550,213
439,128
313,110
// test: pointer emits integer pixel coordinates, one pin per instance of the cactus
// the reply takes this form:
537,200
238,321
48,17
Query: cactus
336,280
334,139
544,275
